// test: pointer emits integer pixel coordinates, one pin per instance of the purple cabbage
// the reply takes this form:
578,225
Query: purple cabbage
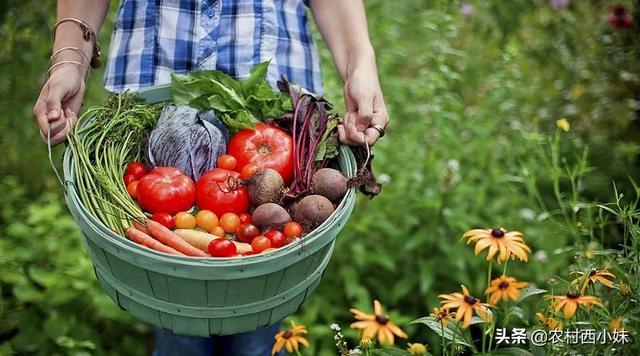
187,139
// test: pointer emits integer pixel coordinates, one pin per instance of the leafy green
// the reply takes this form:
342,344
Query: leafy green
240,104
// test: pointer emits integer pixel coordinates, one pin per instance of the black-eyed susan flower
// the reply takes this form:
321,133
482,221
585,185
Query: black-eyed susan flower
377,325
290,339
442,315
466,305
504,288
550,322
617,324
499,241
569,303
417,349
624,288
595,275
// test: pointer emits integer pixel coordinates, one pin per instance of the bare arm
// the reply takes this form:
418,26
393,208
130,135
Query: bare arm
62,94
343,25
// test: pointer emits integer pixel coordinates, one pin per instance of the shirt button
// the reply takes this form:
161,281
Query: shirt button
210,13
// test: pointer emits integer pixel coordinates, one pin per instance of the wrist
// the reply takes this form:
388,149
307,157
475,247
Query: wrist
361,59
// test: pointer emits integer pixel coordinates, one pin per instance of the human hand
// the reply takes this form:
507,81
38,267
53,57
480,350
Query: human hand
364,107
59,101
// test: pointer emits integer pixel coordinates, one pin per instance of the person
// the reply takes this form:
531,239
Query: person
153,39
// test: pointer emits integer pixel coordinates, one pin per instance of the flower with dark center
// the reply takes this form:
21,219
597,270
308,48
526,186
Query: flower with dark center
570,302
287,334
602,276
466,305
442,315
290,339
504,288
499,242
377,325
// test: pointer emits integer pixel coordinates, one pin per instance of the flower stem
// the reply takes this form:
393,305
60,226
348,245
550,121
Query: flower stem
504,270
442,337
489,274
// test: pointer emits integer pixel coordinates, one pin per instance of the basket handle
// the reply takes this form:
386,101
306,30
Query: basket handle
53,166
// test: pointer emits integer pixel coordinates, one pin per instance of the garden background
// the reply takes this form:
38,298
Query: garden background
474,91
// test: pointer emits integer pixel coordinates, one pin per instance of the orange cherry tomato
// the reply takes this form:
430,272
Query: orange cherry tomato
206,220
230,222
218,231
292,229
132,189
248,171
184,220
227,162
260,243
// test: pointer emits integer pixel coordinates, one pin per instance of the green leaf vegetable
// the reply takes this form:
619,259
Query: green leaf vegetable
239,104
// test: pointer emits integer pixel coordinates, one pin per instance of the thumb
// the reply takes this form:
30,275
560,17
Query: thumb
54,101
365,111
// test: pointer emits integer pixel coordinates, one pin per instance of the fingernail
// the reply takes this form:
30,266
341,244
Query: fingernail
53,114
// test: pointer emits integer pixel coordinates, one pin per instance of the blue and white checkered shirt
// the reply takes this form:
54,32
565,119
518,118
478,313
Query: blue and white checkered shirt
153,39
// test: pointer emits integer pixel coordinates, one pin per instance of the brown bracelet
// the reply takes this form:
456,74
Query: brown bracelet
88,34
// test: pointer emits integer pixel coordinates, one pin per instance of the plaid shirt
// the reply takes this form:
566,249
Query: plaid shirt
153,39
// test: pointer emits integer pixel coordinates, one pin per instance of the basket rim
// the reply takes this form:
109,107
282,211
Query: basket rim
316,237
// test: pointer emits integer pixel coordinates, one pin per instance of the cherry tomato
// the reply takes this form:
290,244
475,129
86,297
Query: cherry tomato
267,146
292,229
128,178
166,190
164,219
185,220
218,190
132,189
248,171
260,243
227,162
245,218
206,220
137,169
218,231
222,248
276,237
229,222
248,253
246,232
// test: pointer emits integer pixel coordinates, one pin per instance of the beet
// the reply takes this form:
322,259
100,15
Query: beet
266,186
270,215
312,211
330,183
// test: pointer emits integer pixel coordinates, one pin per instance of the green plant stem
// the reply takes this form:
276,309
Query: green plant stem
504,269
489,274
442,337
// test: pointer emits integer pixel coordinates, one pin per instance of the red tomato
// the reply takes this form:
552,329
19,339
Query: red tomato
246,232
222,248
166,190
245,218
164,219
227,162
132,189
260,243
267,146
128,178
218,191
276,237
137,169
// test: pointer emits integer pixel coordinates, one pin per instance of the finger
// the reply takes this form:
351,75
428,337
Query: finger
56,126
342,135
372,136
354,135
72,118
365,111
54,101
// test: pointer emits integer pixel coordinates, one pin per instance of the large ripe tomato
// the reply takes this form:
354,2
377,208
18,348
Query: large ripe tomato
218,191
267,146
166,190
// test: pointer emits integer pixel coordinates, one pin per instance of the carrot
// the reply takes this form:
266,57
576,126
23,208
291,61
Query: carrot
202,240
143,239
167,237
138,225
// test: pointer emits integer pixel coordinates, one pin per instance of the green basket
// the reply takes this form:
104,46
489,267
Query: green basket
208,296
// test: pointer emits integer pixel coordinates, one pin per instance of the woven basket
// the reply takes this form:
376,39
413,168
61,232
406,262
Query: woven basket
208,296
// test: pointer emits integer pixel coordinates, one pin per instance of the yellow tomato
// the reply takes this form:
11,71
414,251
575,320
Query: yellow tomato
206,220
185,220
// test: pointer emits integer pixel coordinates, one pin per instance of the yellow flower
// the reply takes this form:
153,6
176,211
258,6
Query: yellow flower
504,288
290,339
442,315
417,349
549,322
365,342
563,124
377,325
466,305
595,275
569,303
507,243
624,288
617,324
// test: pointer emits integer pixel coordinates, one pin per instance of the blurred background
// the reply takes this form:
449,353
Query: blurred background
473,89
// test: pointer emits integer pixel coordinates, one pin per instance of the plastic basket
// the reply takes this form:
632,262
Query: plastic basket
208,296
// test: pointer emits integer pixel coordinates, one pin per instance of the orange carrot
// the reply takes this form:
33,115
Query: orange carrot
138,225
140,237
168,238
